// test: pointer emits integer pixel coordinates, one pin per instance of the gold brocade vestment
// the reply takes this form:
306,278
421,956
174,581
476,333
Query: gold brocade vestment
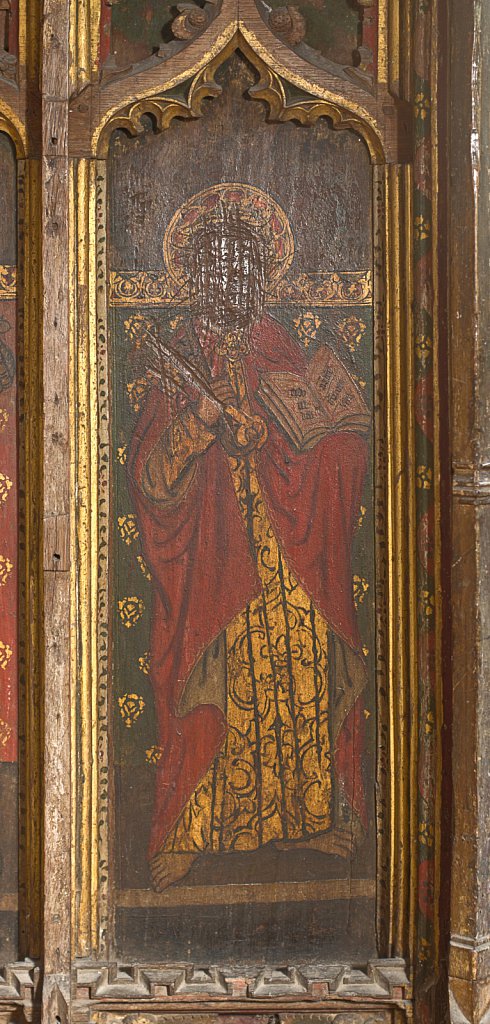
272,778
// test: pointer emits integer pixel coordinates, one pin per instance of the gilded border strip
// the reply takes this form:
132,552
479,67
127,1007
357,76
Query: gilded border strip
103,541
155,288
85,560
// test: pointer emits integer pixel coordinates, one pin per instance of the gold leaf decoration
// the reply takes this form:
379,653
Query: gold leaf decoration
426,833
307,325
153,754
422,106
4,418
130,610
143,566
362,513
360,588
5,654
351,331
5,569
137,327
122,454
422,228
427,603
136,392
424,478
144,663
5,485
5,732
131,706
157,288
128,528
423,346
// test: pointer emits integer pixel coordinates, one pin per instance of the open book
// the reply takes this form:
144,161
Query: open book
326,399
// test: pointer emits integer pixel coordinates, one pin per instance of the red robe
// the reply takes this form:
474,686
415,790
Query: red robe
204,573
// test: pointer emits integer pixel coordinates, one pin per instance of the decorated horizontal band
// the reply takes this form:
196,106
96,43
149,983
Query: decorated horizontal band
8,282
157,288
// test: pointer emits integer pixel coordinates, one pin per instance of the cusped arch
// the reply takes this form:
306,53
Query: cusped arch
11,125
344,111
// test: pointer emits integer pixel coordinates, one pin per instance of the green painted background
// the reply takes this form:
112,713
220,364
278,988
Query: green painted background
138,29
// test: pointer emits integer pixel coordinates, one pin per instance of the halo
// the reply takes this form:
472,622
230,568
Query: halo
254,207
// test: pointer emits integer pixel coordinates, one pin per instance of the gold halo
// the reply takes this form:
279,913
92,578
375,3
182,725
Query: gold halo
256,208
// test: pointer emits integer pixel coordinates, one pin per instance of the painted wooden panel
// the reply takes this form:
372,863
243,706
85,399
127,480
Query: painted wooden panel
9,639
243,553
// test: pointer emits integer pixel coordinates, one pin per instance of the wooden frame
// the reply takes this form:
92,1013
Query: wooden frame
388,141
66,166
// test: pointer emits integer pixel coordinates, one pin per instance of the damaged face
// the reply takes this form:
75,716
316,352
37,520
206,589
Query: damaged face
228,277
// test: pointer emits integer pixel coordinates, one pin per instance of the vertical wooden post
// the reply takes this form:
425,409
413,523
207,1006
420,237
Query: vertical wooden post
56,498
469,319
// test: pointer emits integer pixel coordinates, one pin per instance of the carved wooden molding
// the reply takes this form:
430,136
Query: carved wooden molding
270,88
20,991
381,981
381,118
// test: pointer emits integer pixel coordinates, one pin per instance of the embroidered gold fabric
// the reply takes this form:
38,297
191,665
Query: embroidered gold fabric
272,780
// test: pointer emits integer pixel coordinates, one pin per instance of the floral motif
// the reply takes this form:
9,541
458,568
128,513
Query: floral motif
122,454
153,754
288,23
5,485
422,106
5,569
346,288
362,513
5,732
4,418
427,603
137,390
352,331
144,663
429,723
423,347
136,327
130,610
5,654
424,478
128,528
422,228
360,588
143,566
8,281
307,325
190,21
131,706
426,833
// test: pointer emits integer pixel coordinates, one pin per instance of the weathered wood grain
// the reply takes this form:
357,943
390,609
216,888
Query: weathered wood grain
56,509
469,324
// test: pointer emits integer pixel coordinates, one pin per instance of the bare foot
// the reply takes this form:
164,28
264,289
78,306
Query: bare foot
339,841
168,868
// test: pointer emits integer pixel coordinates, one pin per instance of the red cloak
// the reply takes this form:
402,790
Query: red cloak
204,574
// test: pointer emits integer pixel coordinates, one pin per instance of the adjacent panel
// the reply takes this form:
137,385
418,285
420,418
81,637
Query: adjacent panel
243,565
9,625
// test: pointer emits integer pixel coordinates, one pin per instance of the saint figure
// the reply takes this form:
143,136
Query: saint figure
255,657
